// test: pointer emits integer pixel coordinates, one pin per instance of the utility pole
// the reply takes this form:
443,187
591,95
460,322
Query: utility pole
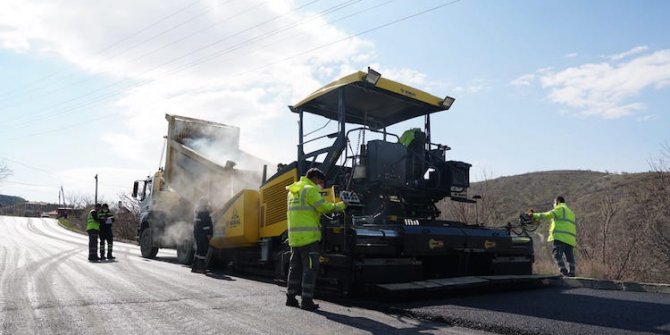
96,189
476,198
63,194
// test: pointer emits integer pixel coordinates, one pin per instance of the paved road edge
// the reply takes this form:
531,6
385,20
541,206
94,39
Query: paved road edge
617,285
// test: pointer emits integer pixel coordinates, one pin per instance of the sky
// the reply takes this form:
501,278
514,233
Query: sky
539,85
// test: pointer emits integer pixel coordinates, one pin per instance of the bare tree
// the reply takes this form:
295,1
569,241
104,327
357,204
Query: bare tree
4,171
608,209
660,230
78,200
489,211
127,216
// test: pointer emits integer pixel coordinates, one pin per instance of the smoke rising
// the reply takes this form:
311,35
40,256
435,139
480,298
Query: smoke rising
177,232
204,160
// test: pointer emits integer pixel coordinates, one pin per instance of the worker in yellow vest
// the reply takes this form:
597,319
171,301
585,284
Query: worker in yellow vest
305,206
93,230
563,232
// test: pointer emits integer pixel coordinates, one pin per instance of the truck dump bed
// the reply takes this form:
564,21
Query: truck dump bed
204,159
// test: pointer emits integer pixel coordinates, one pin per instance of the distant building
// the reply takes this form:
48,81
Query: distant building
64,212
36,208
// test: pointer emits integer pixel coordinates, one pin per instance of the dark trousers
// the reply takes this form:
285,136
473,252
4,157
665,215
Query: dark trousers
92,244
303,269
560,249
201,248
106,235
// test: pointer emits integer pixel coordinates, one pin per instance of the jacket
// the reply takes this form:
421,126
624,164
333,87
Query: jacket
563,225
305,206
92,221
202,223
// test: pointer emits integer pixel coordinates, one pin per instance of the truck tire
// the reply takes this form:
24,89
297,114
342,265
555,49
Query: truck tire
146,247
185,252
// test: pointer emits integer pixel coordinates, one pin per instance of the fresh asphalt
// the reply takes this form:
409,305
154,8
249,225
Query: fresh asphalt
48,287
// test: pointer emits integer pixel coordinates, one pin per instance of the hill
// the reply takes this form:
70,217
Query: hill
7,200
623,230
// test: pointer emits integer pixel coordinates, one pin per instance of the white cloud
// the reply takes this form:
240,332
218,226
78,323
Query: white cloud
524,80
571,55
206,61
649,117
474,86
633,51
606,89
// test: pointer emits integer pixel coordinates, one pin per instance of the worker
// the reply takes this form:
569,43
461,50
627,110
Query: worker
106,219
408,136
563,232
305,206
93,230
202,233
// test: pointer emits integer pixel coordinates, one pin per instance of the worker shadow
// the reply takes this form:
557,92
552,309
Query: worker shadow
376,327
611,309
219,276
166,259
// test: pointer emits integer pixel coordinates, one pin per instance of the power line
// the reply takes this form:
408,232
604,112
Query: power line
22,183
378,27
151,25
62,87
55,175
141,83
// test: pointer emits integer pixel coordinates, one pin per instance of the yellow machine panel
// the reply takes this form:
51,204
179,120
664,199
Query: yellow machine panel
238,225
273,204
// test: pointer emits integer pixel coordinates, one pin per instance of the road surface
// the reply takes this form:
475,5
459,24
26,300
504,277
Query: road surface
49,287
551,311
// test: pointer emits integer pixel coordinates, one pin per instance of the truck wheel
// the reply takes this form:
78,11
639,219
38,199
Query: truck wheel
185,252
146,247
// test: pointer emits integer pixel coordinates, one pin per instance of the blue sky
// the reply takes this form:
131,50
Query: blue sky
539,85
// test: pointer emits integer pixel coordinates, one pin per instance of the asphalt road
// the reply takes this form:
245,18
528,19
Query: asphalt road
48,287
550,311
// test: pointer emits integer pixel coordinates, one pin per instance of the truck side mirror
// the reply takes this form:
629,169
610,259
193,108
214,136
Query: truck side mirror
135,187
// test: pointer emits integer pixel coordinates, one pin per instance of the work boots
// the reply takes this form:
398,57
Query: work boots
309,305
291,301
198,266
109,253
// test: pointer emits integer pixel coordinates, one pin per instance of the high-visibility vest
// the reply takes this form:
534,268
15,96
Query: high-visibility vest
563,225
91,223
408,136
103,215
305,206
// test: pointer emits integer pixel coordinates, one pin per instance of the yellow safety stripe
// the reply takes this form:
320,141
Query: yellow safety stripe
319,203
302,206
565,232
563,218
566,219
300,229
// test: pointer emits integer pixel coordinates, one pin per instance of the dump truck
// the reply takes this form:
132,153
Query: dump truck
392,235
202,159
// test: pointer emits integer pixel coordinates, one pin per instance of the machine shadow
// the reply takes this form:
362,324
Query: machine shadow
376,327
